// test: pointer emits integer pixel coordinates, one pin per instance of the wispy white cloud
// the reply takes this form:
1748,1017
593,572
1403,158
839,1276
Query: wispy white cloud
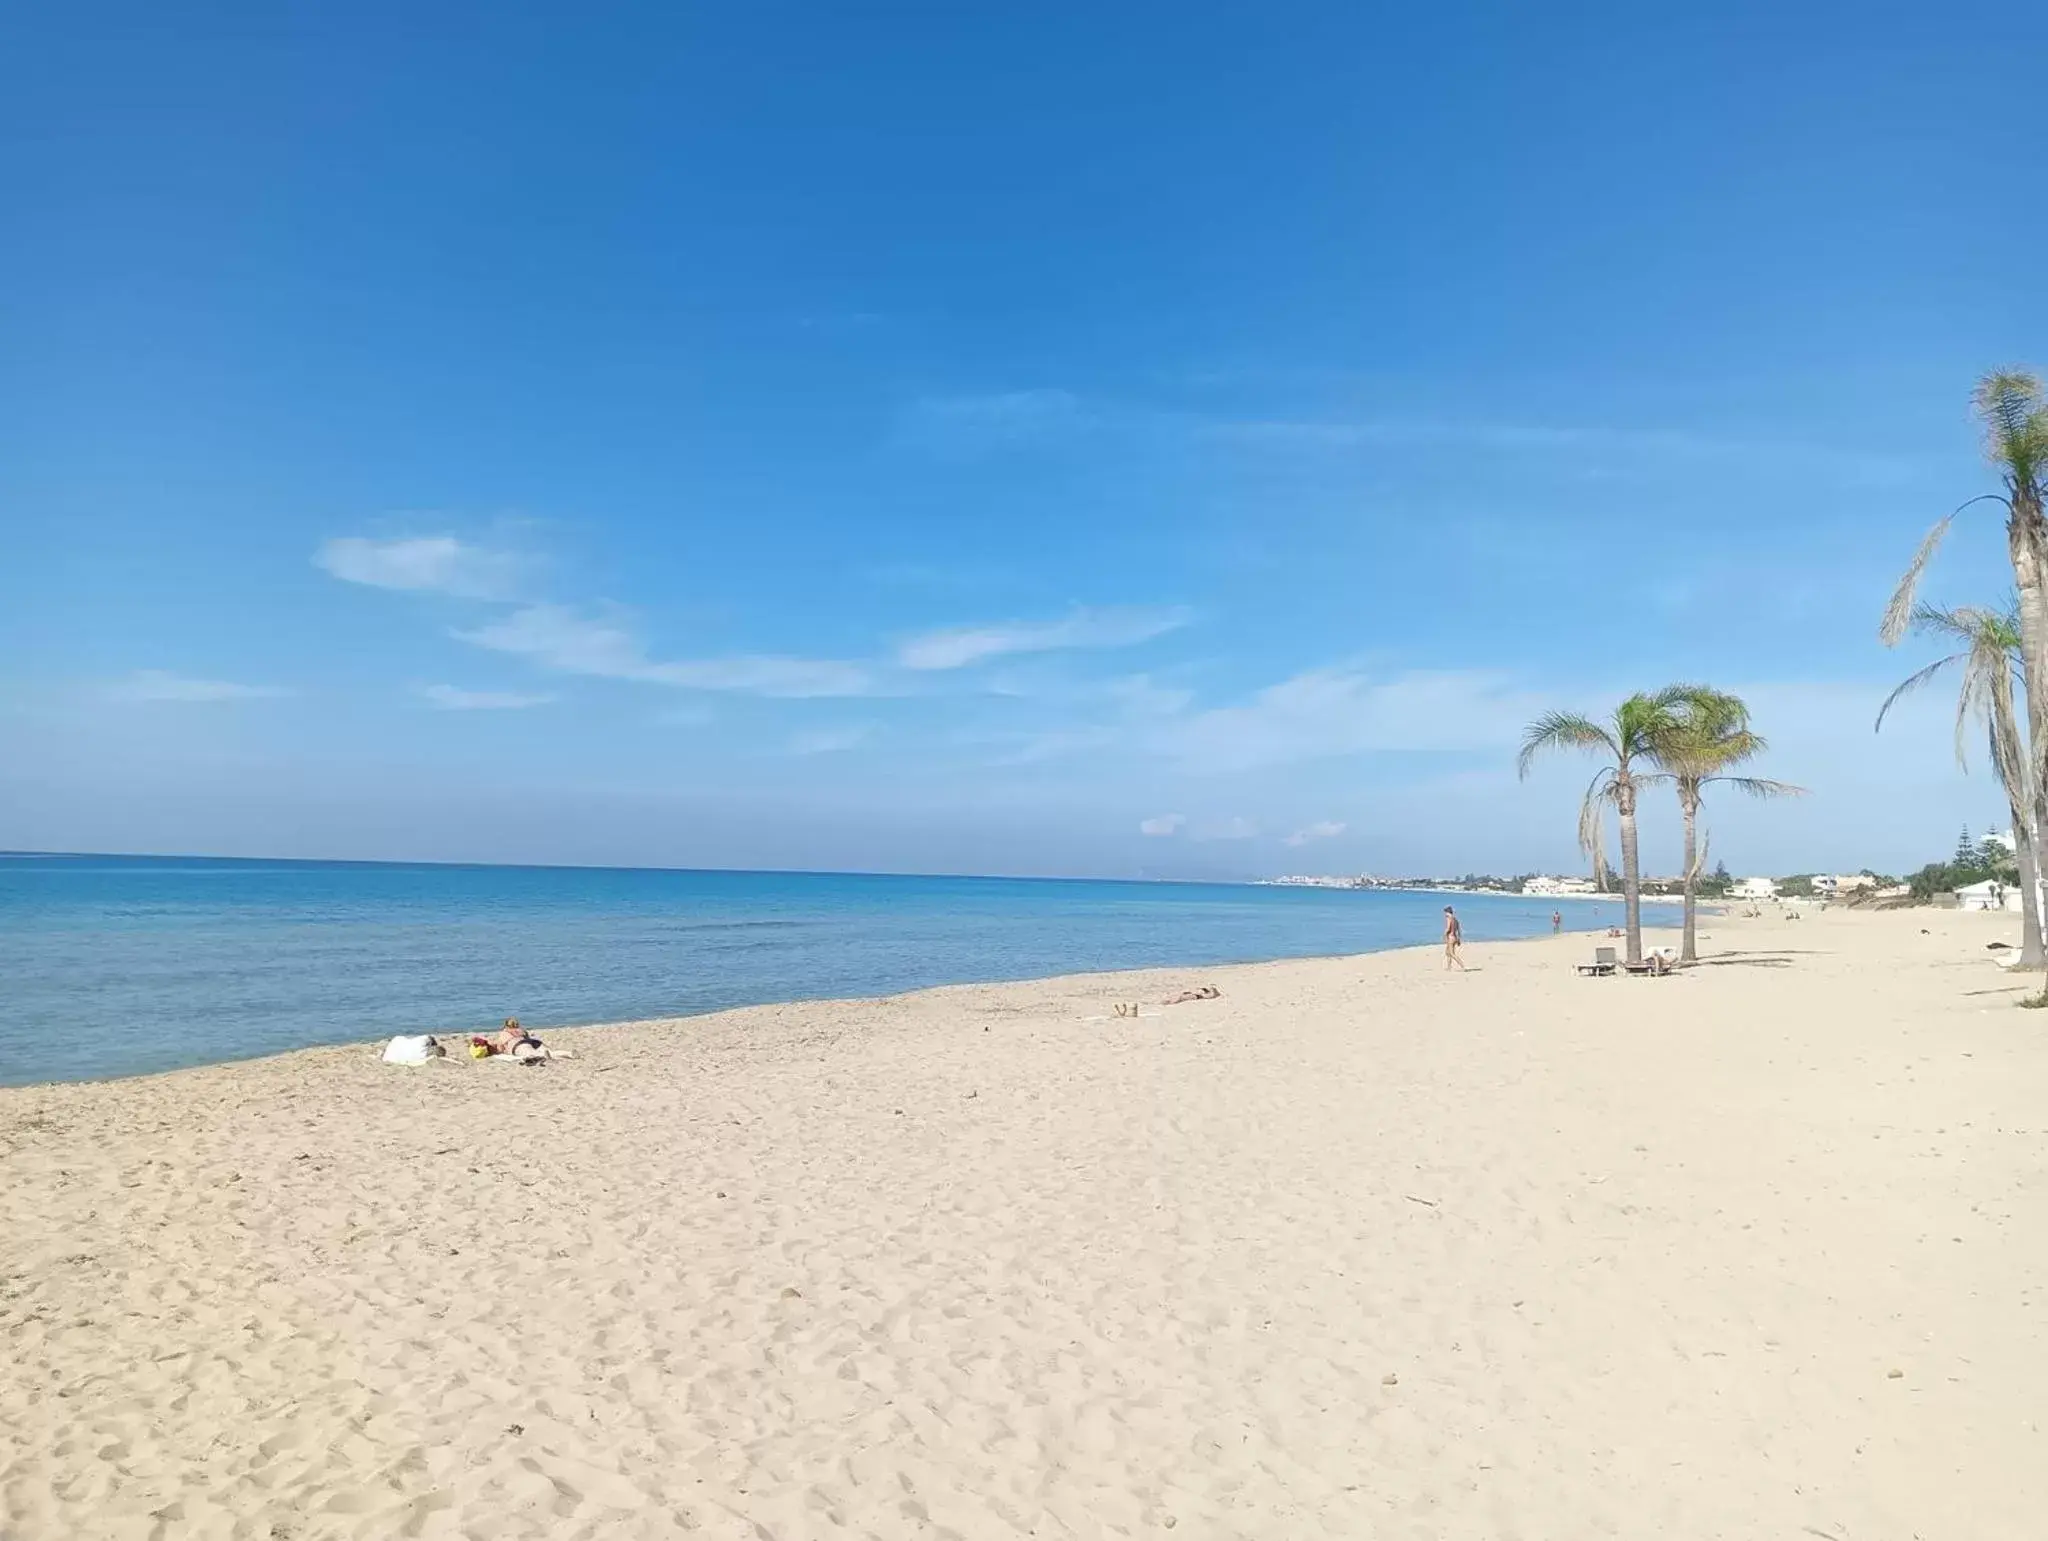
957,647
425,564
453,698
557,637
1613,443
1227,829
1327,829
1162,826
970,424
831,740
1330,712
161,685
1340,711
976,424
1141,696
693,714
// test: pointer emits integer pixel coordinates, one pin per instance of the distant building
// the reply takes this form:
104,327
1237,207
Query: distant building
1554,888
1824,885
1755,888
1988,895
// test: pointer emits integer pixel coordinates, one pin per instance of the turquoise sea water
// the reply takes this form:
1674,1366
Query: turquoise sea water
117,965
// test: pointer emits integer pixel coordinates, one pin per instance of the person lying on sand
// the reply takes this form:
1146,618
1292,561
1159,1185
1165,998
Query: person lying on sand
1199,993
518,1042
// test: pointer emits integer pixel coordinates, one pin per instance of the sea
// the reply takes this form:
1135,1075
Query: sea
123,965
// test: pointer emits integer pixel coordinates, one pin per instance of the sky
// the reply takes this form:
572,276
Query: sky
1129,440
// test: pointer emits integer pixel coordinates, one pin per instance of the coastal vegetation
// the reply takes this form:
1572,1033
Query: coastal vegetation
1973,862
1707,739
1628,742
1691,737
2006,650
1989,661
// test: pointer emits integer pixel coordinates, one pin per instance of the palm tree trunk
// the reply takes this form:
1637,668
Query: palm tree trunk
2024,540
1689,803
1631,877
2031,950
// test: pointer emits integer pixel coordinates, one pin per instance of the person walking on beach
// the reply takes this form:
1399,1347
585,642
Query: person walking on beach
1454,938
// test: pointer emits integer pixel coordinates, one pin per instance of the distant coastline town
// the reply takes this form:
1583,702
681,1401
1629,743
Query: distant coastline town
1979,876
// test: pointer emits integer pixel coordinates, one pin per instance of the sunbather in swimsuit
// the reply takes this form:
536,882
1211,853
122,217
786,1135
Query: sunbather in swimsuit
518,1042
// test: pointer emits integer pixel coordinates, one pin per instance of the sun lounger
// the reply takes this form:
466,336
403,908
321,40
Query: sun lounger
1654,965
1603,962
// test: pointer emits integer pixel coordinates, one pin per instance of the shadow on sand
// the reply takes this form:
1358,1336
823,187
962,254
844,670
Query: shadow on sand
1780,959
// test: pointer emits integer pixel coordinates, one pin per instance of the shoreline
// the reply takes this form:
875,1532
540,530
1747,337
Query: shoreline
540,1023
1111,984
1357,1245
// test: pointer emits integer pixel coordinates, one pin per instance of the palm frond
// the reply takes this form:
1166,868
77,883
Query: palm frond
1758,786
1708,731
2009,402
1972,625
1992,666
1562,730
1913,682
1972,701
1645,720
1600,791
1899,613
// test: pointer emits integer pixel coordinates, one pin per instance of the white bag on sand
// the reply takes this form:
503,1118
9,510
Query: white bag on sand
410,1051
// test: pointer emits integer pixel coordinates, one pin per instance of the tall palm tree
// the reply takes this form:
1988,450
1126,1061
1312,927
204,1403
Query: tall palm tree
1989,653
1710,736
2014,412
1629,741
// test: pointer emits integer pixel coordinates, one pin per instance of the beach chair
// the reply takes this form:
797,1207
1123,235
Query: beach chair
1655,965
1603,962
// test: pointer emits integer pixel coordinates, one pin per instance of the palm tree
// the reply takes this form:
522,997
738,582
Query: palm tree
1989,652
2011,406
1709,737
1628,739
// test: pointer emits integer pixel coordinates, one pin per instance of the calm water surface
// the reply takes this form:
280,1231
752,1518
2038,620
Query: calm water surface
115,965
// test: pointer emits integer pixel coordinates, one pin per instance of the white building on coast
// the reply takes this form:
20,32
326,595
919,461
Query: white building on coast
1988,895
1556,888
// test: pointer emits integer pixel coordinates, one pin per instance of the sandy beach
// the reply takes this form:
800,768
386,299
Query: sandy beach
1360,1249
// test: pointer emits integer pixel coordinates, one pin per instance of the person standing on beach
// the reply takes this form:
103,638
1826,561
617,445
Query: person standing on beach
1556,921
1454,938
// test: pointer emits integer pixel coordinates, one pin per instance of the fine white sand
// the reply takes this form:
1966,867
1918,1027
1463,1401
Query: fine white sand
1359,1250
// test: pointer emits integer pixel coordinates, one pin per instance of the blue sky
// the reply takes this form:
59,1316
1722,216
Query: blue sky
1185,441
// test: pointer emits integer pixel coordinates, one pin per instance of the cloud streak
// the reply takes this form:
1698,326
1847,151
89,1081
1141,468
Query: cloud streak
958,647
161,685
1641,444
1327,829
421,564
831,740
978,424
1324,713
452,698
558,638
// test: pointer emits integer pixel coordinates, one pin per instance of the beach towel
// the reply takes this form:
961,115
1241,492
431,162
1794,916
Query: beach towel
409,1051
